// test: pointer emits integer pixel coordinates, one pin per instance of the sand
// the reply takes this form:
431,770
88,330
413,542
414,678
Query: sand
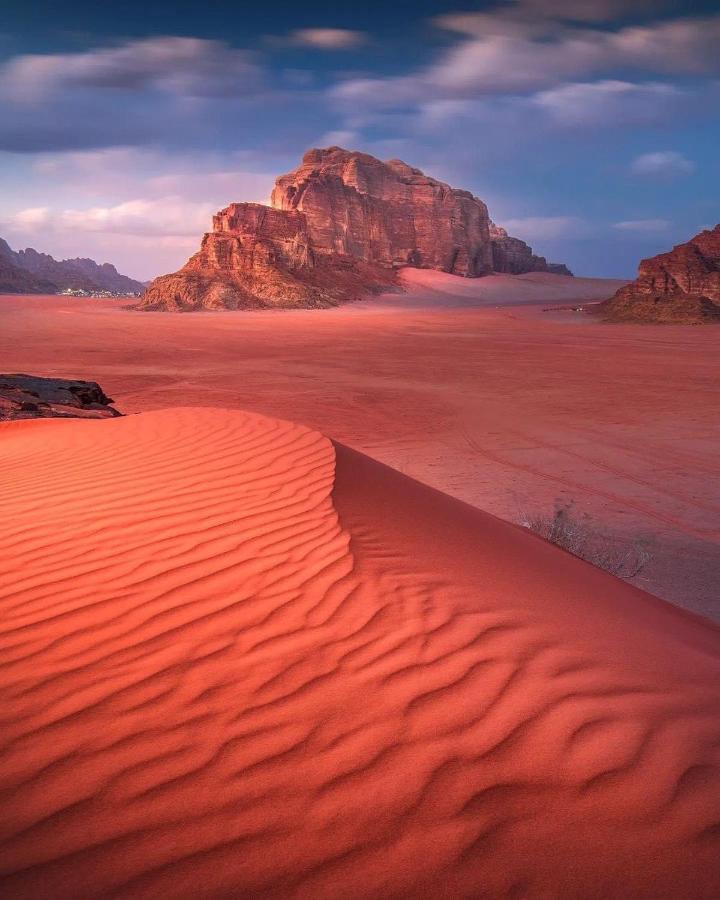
465,384
237,660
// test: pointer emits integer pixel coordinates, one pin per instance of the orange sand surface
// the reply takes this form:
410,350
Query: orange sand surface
238,661
465,384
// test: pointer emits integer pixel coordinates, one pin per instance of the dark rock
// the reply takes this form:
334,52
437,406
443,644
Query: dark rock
31,397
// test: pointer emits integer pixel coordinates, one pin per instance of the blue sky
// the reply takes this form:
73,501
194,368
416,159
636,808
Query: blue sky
590,127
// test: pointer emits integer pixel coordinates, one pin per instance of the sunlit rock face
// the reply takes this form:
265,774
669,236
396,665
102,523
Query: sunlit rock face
387,213
680,286
338,228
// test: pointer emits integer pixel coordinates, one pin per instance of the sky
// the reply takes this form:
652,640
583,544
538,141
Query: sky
590,127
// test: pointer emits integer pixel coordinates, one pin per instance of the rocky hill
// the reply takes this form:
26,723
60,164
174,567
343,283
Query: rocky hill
338,228
14,280
30,272
682,286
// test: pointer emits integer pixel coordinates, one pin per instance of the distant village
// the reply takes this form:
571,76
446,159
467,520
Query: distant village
79,292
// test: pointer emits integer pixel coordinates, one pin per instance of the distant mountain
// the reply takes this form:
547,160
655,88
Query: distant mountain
30,272
15,280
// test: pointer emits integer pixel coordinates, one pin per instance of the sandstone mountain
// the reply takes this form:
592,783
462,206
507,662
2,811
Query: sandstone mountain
682,286
338,227
30,272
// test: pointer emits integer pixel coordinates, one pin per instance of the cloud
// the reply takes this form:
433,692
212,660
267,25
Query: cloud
684,46
167,216
504,54
662,163
608,102
32,219
534,228
170,216
643,226
328,38
190,67
590,10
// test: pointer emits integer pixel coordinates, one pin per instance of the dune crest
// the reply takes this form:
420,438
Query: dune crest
237,660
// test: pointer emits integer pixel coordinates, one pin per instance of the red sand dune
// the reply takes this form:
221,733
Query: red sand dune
239,661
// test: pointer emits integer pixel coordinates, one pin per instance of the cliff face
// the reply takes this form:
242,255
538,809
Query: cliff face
41,273
681,286
386,213
256,257
338,228
515,257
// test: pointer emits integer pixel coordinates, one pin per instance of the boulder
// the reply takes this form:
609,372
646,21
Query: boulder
31,397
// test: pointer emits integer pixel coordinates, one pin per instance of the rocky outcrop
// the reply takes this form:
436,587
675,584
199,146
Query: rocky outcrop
682,286
515,257
338,228
260,257
44,274
30,397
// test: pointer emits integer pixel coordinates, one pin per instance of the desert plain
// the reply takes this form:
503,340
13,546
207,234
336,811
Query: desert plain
494,391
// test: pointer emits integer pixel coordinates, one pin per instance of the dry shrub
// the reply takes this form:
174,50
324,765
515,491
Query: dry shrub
576,534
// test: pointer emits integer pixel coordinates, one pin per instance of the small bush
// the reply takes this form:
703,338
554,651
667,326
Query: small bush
577,535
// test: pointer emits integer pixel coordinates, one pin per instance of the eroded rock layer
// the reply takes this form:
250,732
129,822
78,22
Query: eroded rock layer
682,286
31,397
338,227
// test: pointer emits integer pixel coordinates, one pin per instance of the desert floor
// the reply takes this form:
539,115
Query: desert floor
472,387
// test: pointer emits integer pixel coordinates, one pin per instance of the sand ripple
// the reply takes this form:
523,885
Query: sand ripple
237,661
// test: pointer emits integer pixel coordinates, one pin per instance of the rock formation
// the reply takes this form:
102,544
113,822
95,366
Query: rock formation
682,286
339,226
515,257
386,213
45,275
30,397
257,256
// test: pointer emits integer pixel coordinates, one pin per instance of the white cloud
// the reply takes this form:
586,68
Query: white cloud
662,163
32,219
190,67
169,216
611,101
166,216
328,38
643,226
